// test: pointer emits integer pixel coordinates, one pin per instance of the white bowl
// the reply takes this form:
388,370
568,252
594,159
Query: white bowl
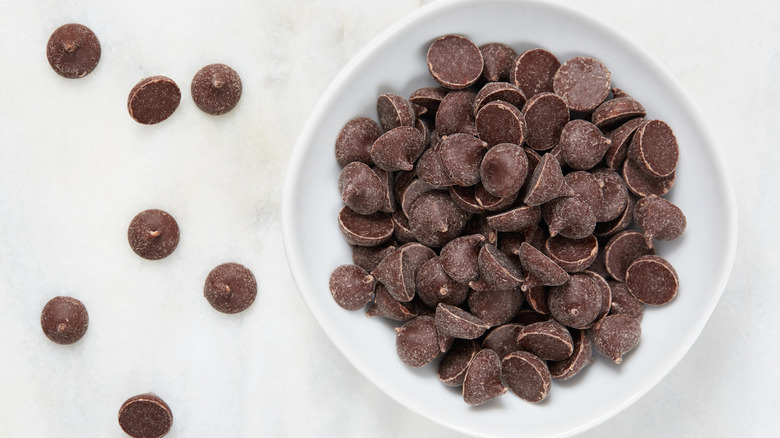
395,62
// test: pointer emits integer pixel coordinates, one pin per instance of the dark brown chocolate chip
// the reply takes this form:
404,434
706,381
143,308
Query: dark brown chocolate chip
361,189
659,219
582,144
398,271
431,170
545,116
503,169
412,192
73,51
615,335
586,187
153,234
64,320
153,100
435,219
581,357
546,183
216,89
577,303
605,292
623,303
500,122
435,286
466,198
454,61
616,111
652,280
365,230
533,71
401,230
539,269
504,91
459,257
482,382
453,366
495,307
355,140
398,148
387,194
351,286
461,156
456,113
548,340
614,193
503,339
620,223
145,416
573,255
570,217
416,341
642,184
490,202
394,111
654,149
526,375
367,257
530,316
428,97
231,288
620,138
621,250
617,93
537,297
478,225
520,219
386,306
498,60
497,270
457,323
583,83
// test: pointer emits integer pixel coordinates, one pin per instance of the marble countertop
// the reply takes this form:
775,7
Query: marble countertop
76,169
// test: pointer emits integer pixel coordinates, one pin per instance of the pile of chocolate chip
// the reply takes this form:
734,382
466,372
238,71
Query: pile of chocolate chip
507,217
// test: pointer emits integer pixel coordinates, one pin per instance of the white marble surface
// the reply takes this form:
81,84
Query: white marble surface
76,168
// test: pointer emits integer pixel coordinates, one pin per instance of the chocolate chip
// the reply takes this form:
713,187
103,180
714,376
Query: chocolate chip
582,144
398,148
586,187
623,303
615,335
545,116
416,341
466,199
351,286
616,111
361,189
537,297
365,230
605,292
573,255
659,219
519,219
654,149
230,288
533,72
652,280
478,225
577,303
435,219
73,51
153,100
504,169
620,223
428,97
454,61
456,322
461,156
145,416
546,183
401,229
387,196
503,339
435,286
153,234
394,111
482,382
495,307
621,250
614,193
530,316
431,170
642,184
64,320
500,122
490,202
526,375
398,271
216,89
498,60
570,217
583,83
504,91
539,269
355,140
413,192
581,357
453,366
456,113
497,270
459,257
548,340
386,306
367,257
620,138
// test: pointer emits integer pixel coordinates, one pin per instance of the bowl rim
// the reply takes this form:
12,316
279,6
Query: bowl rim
298,156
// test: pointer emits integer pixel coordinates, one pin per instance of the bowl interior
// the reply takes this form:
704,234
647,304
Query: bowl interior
395,62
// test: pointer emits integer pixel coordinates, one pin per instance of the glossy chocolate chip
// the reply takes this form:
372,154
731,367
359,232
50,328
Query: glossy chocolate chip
539,269
351,286
533,71
494,91
416,341
365,230
654,149
497,270
616,111
482,382
519,219
461,156
454,61
545,116
503,169
394,111
456,322
153,100
621,250
500,122
641,184
386,306
546,183
361,189
652,280
503,339
153,234
620,138
659,219
231,288
548,340
73,51
456,114
498,60
453,366
435,219
398,148
355,140
570,217
435,286
581,357
367,257
428,97
577,303
614,193
64,320
573,255
583,83
216,89
145,416
623,303
615,335
582,144
459,257
495,307
526,375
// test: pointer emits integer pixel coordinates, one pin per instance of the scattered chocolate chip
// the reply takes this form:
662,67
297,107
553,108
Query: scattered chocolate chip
482,382
582,144
583,83
361,189
539,269
548,340
500,122
145,416
497,270
456,113
503,339
73,51
153,234
526,375
533,72
654,149
498,60
351,286
659,219
614,192
642,184
386,306
581,357
503,169
616,111
570,217
412,192
216,89
605,292
453,366
577,303
398,148
457,323
459,257
367,257
545,116
64,320
435,286
573,255
394,111
620,223
504,91
546,183
365,230
615,335
620,138
231,288
454,61
519,219
153,100
621,250
652,280
428,97
435,219
416,341
461,156
623,303
495,307
355,140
